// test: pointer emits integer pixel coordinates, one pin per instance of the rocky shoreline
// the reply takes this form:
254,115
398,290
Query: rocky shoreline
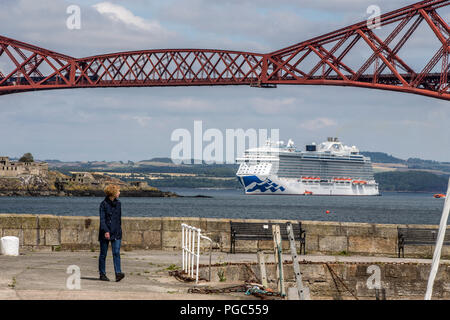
85,193
56,184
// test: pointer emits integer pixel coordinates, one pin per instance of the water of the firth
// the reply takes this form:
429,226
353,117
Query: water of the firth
396,208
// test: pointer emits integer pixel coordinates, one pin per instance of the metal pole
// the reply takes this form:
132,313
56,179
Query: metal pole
262,269
278,258
189,251
192,252
275,252
439,242
182,246
186,254
303,293
198,253
280,264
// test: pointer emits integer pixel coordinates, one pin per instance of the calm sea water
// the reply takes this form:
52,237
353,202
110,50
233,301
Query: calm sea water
397,208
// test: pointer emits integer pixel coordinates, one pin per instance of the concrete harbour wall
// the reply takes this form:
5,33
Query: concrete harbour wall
398,280
49,232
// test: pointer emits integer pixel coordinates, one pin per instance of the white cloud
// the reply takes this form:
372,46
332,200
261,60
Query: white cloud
143,121
318,123
122,14
371,119
188,104
43,23
274,106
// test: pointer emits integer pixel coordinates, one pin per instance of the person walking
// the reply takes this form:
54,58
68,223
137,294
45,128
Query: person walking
110,231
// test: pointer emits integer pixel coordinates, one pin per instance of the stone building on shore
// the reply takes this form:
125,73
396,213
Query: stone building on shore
139,184
15,169
81,178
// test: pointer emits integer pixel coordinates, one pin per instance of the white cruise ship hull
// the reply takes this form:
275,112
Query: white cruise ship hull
271,184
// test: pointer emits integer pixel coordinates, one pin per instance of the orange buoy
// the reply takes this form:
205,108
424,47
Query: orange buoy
327,212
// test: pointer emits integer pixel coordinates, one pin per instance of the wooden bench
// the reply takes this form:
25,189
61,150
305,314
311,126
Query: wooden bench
263,231
418,237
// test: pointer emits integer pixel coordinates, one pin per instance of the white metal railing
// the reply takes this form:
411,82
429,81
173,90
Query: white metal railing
190,244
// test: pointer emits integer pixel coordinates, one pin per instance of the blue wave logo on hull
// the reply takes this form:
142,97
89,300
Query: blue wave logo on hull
253,183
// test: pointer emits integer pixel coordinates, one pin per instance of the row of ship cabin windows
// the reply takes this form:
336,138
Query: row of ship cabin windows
340,182
259,169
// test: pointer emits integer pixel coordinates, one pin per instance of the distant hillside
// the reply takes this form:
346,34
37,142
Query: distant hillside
169,160
381,157
165,160
411,163
415,163
411,181
413,175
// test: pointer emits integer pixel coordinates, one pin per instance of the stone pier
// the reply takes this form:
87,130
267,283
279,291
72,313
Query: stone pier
54,233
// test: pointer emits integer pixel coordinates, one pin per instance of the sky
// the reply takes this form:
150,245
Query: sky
121,124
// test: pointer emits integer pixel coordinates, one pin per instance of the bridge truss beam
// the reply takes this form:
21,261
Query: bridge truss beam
330,59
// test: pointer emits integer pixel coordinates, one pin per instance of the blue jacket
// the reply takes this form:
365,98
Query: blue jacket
110,219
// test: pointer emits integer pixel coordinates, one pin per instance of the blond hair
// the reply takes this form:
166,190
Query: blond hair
111,190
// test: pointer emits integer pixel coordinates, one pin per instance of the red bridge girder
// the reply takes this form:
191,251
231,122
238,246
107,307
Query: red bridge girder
318,61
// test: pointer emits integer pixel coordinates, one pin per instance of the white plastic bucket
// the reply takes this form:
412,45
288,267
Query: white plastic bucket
9,246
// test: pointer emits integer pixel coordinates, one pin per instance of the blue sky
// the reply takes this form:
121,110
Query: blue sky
136,123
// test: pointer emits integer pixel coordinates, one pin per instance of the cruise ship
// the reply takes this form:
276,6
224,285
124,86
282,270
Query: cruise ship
329,168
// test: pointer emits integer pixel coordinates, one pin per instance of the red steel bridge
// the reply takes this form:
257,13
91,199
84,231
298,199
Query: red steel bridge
325,60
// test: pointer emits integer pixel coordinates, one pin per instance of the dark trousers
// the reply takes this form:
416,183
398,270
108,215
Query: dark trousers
115,246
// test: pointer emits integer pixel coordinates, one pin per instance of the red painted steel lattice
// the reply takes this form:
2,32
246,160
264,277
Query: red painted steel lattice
352,56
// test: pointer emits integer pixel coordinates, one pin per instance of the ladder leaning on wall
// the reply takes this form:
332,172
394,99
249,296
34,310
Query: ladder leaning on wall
439,243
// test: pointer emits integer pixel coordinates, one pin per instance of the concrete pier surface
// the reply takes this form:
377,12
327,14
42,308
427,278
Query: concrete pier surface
43,275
